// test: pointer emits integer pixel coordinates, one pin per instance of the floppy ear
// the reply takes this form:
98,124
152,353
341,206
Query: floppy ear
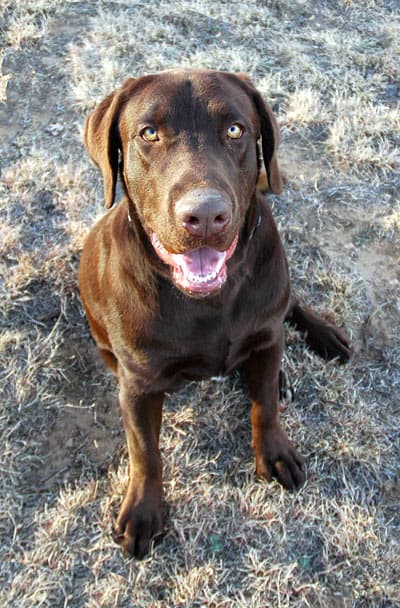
102,138
270,141
269,136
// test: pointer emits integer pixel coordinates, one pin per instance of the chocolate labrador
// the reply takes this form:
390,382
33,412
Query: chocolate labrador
187,278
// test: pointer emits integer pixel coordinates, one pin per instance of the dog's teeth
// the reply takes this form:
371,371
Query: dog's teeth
196,278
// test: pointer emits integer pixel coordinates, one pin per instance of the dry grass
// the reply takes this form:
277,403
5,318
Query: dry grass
330,70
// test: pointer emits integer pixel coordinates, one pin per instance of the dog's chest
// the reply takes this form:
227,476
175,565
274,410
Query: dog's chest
196,343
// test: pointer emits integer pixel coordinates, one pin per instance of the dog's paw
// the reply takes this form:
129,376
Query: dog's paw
277,459
329,341
285,389
137,524
322,335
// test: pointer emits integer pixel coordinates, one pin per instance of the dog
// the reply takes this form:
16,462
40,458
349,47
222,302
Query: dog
187,277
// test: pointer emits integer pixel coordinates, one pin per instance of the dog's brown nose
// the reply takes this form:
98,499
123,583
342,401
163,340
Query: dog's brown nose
204,212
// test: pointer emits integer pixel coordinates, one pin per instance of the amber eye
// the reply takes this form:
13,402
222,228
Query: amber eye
150,134
235,131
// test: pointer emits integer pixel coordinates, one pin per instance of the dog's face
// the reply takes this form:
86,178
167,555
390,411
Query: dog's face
187,142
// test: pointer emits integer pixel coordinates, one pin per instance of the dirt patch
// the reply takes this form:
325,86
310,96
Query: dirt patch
85,431
81,438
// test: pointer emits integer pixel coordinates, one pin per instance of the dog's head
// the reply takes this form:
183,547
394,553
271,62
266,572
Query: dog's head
185,145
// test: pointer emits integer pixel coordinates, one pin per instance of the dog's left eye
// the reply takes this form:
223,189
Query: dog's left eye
235,131
150,134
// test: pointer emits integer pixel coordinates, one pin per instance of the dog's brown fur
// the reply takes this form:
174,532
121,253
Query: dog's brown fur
152,334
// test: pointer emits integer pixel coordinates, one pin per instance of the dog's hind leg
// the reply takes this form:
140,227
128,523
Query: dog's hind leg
322,336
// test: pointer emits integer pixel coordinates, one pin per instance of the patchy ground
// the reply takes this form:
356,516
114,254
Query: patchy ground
330,71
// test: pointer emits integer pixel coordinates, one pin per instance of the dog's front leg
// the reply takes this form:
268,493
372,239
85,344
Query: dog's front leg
275,455
140,517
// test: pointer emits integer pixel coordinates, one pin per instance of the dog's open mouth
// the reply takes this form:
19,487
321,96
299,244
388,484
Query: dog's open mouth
199,271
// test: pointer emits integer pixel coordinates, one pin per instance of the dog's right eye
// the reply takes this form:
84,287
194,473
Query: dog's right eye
235,131
149,134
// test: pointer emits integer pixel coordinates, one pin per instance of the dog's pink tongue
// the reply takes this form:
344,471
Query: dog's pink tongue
200,271
201,262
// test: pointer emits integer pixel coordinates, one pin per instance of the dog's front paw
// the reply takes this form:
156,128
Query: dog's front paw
277,459
139,521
